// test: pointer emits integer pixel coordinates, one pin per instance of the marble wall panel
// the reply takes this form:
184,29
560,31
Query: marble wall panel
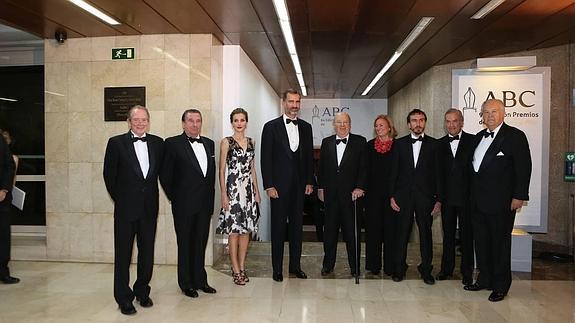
152,74
57,187
200,45
101,200
56,143
177,84
151,47
79,136
56,88
79,49
103,239
81,239
79,86
80,187
178,46
102,48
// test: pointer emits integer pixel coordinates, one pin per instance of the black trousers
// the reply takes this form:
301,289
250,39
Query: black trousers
192,233
144,231
492,234
339,213
379,230
450,216
287,216
4,238
404,225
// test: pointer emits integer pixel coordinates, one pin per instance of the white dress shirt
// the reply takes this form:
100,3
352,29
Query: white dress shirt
482,148
141,149
455,143
293,133
201,156
416,148
340,149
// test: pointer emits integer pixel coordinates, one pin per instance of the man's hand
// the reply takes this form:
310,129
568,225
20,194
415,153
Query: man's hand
272,193
357,193
320,194
516,204
308,189
2,195
436,208
394,205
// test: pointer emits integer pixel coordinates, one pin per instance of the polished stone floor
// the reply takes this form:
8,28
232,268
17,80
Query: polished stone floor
81,292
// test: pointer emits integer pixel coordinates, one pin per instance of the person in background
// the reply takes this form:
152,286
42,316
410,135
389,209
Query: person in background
7,175
240,194
380,219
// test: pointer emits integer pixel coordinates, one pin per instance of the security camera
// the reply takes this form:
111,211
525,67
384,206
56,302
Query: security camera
60,36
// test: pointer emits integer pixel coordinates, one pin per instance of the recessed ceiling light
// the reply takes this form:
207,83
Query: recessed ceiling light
96,12
486,9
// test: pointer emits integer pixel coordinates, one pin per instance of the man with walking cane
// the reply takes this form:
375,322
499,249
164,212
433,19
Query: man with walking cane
341,181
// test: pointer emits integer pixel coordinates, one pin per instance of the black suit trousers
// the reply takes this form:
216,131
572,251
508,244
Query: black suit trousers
404,225
144,231
492,234
192,236
339,213
4,238
450,216
379,229
287,215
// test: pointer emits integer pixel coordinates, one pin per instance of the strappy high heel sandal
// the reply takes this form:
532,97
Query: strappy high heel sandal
244,276
238,280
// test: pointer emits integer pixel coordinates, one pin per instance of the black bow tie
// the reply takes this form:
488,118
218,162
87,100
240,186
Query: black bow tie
288,121
453,138
144,139
488,134
192,140
414,140
344,140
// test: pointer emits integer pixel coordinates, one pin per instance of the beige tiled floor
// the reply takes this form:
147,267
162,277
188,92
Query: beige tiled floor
79,292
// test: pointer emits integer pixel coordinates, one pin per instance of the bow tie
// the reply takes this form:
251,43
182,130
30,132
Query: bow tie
488,134
192,140
453,138
414,140
144,139
344,140
288,121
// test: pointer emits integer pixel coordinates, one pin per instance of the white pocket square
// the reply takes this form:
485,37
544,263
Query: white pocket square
500,154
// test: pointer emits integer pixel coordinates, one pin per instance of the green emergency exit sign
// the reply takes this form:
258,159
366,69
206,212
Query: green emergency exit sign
123,53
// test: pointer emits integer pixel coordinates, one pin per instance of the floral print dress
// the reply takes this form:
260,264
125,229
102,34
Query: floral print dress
242,216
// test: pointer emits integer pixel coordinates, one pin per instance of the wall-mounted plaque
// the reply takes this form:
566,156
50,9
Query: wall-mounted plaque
119,100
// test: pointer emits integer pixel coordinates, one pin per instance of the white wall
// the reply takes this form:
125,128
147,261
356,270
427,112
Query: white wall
244,86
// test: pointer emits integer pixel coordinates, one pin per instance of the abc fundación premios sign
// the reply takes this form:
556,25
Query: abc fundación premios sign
526,95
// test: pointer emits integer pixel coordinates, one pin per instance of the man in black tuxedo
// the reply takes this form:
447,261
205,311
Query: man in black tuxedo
499,186
287,173
415,188
341,181
188,177
7,173
131,167
455,153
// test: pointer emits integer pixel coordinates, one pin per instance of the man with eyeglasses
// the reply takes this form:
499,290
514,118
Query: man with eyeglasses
341,181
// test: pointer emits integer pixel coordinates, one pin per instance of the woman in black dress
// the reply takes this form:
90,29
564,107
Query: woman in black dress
379,222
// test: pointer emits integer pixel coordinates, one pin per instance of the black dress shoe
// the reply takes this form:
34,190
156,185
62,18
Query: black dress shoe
191,292
325,271
496,296
467,281
145,302
127,309
396,278
10,280
208,289
428,279
299,274
278,277
443,276
474,287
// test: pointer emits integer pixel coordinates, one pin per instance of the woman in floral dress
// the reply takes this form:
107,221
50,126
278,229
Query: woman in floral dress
240,194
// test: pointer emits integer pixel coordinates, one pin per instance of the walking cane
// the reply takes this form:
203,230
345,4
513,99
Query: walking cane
356,242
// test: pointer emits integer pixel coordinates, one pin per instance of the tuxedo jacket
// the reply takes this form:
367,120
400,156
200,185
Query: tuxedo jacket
340,181
410,183
134,195
7,171
277,164
183,180
504,173
455,170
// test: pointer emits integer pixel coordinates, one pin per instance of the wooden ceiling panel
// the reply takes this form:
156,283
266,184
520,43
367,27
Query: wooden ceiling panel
382,16
232,16
73,17
298,15
339,15
138,15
